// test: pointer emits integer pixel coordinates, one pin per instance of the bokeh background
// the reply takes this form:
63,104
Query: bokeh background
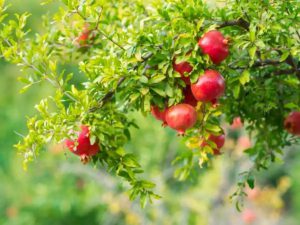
58,189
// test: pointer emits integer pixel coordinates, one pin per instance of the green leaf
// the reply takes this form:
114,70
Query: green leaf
291,105
159,91
212,128
138,56
284,56
236,91
252,33
251,181
252,52
157,79
144,79
245,77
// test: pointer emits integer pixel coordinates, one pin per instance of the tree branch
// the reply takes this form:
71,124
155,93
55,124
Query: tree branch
108,96
240,22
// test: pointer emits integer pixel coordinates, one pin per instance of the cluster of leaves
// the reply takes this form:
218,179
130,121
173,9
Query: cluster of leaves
127,66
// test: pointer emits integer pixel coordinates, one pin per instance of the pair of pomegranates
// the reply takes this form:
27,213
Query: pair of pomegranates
211,85
182,117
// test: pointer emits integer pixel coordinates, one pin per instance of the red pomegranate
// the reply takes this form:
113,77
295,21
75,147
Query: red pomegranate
214,44
237,123
253,194
159,114
209,87
292,123
244,143
83,39
182,68
82,146
189,97
218,140
181,117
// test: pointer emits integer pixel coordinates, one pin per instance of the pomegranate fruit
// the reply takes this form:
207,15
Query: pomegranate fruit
218,140
292,123
82,146
249,216
214,44
189,97
83,39
253,194
182,68
236,124
181,117
209,87
159,114
244,143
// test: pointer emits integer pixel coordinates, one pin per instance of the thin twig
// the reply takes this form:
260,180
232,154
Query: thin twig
100,31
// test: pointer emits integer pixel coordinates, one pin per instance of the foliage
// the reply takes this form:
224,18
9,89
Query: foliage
126,66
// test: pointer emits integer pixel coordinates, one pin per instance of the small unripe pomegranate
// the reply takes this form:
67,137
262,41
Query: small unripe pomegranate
214,44
236,124
292,123
249,216
82,146
209,87
218,140
182,68
181,117
82,40
159,114
189,97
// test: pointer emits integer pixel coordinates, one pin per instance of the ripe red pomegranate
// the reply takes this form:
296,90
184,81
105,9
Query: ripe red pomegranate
181,117
159,114
218,140
249,216
292,123
189,97
82,146
182,68
209,87
214,44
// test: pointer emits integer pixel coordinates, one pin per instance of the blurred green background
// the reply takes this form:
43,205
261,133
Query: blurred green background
58,189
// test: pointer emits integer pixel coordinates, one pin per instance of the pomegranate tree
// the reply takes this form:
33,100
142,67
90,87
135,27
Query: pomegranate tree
129,65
